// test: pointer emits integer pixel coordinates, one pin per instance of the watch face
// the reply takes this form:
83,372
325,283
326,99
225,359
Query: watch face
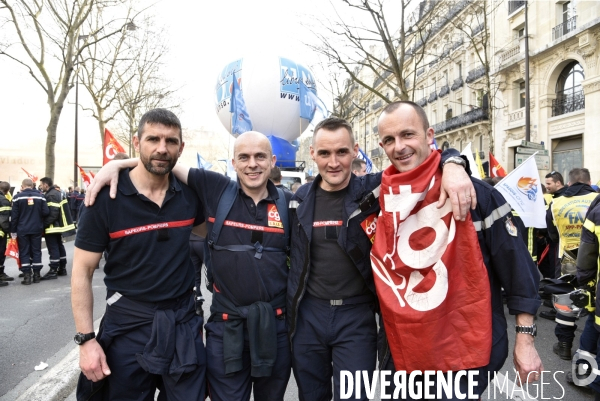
77,338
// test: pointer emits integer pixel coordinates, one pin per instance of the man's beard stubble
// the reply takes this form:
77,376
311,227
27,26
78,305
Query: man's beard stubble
159,170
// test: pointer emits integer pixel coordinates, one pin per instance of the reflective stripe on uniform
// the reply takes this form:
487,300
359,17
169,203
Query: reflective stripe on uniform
496,214
5,209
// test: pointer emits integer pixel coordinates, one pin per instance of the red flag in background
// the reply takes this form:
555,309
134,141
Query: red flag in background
34,178
496,169
85,178
111,147
92,174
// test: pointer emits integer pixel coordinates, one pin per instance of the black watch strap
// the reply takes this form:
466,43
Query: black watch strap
531,330
81,338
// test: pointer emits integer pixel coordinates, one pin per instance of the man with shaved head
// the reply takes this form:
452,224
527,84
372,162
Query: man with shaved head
246,335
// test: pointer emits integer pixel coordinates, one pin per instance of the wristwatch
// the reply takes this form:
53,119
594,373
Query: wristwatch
531,330
456,160
80,338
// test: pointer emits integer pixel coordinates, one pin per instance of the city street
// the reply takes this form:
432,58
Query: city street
36,325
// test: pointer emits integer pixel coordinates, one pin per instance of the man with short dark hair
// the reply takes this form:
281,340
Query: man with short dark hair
56,224
331,301
27,225
554,183
275,177
359,167
439,281
5,208
150,334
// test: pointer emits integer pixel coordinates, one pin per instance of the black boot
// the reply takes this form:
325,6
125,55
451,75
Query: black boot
36,276
563,350
51,275
62,271
3,283
26,279
4,276
549,314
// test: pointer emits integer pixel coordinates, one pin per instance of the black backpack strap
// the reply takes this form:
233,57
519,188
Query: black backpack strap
225,204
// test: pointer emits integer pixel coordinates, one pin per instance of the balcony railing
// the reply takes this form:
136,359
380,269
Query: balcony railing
467,118
422,102
458,83
475,74
433,62
377,105
444,91
514,5
377,152
432,97
516,116
478,29
564,28
375,129
420,71
379,80
568,103
510,53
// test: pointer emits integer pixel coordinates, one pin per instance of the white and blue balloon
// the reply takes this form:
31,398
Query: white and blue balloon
272,95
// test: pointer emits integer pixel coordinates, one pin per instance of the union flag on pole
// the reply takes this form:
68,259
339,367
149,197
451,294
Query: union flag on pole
111,147
84,177
496,169
34,178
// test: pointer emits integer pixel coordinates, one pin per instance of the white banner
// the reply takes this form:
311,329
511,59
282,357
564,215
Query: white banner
523,191
469,154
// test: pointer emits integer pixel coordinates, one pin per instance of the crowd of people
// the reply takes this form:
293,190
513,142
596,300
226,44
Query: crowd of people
33,215
410,267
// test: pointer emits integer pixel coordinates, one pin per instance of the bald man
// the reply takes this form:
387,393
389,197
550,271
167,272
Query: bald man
246,336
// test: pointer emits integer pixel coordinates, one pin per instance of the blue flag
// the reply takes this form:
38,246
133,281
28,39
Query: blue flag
240,120
202,163
309,103
363,156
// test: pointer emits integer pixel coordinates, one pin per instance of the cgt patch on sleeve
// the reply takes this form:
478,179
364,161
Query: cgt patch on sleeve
511,229
369,225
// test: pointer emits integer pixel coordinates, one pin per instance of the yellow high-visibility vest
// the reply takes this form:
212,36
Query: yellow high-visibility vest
569,214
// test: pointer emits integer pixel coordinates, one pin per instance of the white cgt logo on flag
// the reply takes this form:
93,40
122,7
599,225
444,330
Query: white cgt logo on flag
428,217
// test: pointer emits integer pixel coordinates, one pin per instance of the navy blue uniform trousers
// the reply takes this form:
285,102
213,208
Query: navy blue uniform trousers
3,242
126,335
238,386
56,251
329,339
30,252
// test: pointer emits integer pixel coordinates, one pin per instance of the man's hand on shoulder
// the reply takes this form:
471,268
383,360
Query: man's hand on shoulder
457,185
92,361
108,175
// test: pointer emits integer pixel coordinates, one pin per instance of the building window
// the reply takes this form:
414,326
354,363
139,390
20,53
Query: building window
521,33
480,143
569,93
521,94
459,70
459,106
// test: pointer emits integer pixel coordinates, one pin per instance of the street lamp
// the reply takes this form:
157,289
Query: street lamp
75,180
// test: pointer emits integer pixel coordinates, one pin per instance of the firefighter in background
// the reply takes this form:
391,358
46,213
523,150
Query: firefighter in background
565,222
56,224
5,208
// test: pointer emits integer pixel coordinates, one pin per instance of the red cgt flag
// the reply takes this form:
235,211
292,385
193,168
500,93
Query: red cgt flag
111,147
86,178
496,169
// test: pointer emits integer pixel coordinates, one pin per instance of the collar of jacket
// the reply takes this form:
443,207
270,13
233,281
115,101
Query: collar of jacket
576,189
306,201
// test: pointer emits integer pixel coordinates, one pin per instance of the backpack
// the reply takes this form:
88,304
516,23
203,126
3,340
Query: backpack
223,208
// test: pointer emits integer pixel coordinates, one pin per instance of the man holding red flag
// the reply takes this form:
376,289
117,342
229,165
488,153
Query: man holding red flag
439,280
